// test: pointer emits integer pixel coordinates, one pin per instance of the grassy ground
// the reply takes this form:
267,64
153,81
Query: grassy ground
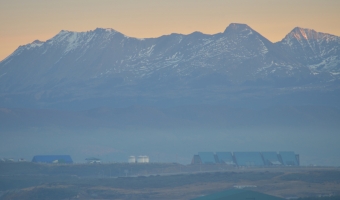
158,181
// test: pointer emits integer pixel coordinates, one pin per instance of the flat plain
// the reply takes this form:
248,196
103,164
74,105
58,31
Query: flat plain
160,181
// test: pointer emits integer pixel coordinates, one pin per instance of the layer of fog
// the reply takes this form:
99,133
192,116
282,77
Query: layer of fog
316,145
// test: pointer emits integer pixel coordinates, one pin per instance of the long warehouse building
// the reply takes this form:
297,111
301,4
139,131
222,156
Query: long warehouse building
283,158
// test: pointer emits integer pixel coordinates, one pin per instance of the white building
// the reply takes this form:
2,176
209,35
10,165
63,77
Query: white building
132,159
143,159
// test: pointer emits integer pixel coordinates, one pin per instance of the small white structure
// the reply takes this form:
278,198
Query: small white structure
132,159
146,159
7,160
140,159
143,159
244,186
92,160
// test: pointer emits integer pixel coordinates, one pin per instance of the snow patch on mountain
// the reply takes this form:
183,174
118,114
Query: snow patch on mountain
73,42
146,52
331,64
34,44
320,52
240,54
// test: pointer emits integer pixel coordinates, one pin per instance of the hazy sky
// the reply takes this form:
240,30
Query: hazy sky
23,21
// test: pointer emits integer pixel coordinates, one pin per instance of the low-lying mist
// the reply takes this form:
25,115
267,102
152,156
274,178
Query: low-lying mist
171,134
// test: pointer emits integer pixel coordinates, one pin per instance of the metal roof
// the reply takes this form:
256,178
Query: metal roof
270,158
288,158
207,157
52,159
225,157
248,158
92,158
238,194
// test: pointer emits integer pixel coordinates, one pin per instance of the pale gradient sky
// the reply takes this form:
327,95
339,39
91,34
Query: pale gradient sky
23,21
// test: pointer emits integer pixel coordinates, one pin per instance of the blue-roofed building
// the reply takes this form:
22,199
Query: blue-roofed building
52,159
288,158
248,158
238,195
271,158
225,157
207,157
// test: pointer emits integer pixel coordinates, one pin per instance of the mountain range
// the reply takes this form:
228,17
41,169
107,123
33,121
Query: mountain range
102,93
103,67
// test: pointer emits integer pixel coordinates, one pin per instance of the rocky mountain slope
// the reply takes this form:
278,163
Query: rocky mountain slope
106,67
318,51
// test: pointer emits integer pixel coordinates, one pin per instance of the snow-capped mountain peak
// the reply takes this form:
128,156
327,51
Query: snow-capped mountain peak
35,43
105,58
109,30
299,33
319,51
237,27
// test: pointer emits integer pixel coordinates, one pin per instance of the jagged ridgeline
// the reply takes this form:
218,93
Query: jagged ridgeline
238,66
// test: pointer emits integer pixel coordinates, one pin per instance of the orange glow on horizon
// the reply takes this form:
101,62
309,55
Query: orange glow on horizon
22,21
